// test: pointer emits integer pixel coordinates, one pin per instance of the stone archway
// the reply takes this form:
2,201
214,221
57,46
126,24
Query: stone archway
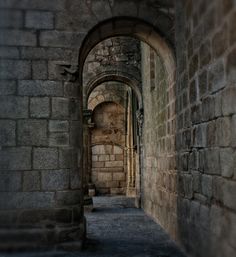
146,33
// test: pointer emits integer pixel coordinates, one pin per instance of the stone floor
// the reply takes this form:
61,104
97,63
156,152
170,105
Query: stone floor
117,229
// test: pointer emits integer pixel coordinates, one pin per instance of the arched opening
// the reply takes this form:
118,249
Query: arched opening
157,122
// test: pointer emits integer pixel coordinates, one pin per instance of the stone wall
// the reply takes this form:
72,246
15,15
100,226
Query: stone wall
108,140
206,107
159,176
114,54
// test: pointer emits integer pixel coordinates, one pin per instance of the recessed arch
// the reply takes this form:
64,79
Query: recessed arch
134,27
118,76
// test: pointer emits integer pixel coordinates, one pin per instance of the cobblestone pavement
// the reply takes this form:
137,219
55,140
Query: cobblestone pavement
114,229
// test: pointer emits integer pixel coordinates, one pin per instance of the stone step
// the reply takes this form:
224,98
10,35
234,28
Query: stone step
113,202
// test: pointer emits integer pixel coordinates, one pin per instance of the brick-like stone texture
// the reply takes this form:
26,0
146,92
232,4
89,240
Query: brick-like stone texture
39,20
40,107
54,180
7,133
32,132
45,158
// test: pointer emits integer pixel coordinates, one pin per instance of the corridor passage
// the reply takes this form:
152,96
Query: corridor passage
117,229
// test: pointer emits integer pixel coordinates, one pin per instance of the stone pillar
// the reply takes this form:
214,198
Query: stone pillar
87,125
139,157
131,169
40,157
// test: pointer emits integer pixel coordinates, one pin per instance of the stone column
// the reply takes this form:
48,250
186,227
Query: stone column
40,157
87,125
139,157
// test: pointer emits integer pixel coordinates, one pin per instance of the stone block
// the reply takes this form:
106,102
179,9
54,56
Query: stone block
95,158
40,107
223,131
229,194
13,107
54,180
39,20
199,136
75,181
118,176
104,176
26,200
202,83
61,39
102,158
114,164
212,161
45,158
231,66
206,185
211,134
220,42
9,52
67,158
18,37
232,28
39,70
60,108
68,198
227,162
15,69
208,107
31,181
98,164
205,53
7,87
196,181
10,181
119,157
7,133
233,135
54,5
11,19
58,126
53,53
59,139
228,101
216,76
15,158
40,88
70,89
117,150
32,132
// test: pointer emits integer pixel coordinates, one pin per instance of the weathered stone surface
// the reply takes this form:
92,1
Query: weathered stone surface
58,126
15,158
207,185
24,200
47,53
40,107
59,139
32,132
228,162
40,88
39,70
39,20
11,19
7,133
68,198
45,158
10,181
61,39
54,180
216,76
13,107
31,181
228,101
18,37
16,69
54,5
7,87
60,108
229,194
231,66
9,52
